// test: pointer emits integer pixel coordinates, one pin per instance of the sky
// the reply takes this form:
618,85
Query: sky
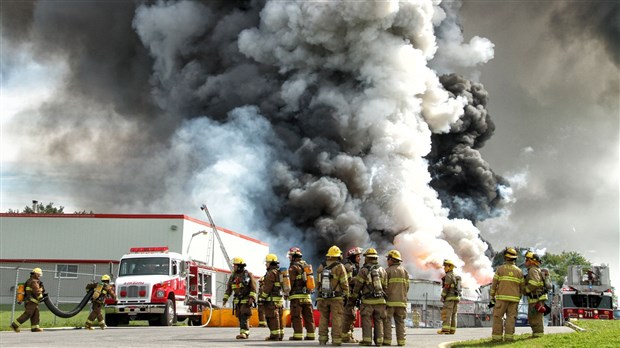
325,124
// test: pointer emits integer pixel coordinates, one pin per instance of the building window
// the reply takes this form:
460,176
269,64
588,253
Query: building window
66,271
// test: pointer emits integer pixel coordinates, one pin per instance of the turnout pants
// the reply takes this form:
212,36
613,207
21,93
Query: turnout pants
399,314
244,312
333,307
503,329
448,315
302,316
274,320
32,313
261,314
372,314
95,313
535,318
349,320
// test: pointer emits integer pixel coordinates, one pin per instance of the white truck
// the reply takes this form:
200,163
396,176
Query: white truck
160,286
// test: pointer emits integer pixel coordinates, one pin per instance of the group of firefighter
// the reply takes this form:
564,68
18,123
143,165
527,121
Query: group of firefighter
509,285
34,293
343,284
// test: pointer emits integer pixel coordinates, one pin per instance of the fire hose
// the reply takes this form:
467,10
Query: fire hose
193,300
72,312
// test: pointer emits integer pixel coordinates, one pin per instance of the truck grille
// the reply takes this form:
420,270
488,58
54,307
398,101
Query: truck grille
134,291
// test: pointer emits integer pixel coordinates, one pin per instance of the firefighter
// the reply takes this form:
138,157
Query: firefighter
396,299
271,295
450,296
241,283
352,265
300,301
332,290
535,292
505,294
34,294
416,318
261,306
370,284
103,289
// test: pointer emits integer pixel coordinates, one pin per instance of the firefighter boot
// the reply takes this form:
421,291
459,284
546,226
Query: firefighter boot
242,336
88,326
15,327
102,325
36,329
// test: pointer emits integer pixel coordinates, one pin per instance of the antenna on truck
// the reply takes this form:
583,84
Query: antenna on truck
217,234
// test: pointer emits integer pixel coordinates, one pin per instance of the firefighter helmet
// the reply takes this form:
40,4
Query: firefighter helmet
370,252
294,251
510,253
271,258
447,262
105,277
334,251
530,255
37,271
354,251
394,254
238,261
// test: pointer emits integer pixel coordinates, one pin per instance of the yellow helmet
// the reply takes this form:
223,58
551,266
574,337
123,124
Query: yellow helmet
447,262
37,271
271,258
334,251
105,277
530,255
510,253
238,261
394,254
371,252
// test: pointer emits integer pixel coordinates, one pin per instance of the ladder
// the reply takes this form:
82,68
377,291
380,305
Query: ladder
210,250
217,235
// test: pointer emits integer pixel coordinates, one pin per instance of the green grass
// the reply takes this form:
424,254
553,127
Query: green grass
48,319
599,333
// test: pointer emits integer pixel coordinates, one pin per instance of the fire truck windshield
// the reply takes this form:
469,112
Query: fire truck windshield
144,266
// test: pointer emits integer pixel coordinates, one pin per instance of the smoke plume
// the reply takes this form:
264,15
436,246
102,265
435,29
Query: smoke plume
310,123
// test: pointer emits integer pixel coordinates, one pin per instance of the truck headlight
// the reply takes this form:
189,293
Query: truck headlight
160,293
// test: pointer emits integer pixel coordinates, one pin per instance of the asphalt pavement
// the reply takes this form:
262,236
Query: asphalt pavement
188,336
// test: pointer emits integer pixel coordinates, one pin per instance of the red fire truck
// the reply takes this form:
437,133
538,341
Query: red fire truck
586,294
160,286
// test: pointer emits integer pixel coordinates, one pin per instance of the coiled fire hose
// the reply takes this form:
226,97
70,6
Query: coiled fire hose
193,300
48,302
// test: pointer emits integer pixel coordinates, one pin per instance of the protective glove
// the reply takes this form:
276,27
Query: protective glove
45,295
224,303
251,301
492,303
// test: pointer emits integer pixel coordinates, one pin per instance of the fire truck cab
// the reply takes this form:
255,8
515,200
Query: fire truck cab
157,285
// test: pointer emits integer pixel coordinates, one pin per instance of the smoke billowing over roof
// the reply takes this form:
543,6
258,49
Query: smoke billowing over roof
312,123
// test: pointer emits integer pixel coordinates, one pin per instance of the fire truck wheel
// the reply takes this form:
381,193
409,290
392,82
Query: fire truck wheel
111,320
168,318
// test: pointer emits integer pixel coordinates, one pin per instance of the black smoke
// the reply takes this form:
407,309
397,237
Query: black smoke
144,77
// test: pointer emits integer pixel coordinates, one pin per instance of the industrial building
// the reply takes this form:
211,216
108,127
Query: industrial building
75,249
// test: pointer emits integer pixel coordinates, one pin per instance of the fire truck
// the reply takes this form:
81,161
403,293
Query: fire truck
160,286
586,294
